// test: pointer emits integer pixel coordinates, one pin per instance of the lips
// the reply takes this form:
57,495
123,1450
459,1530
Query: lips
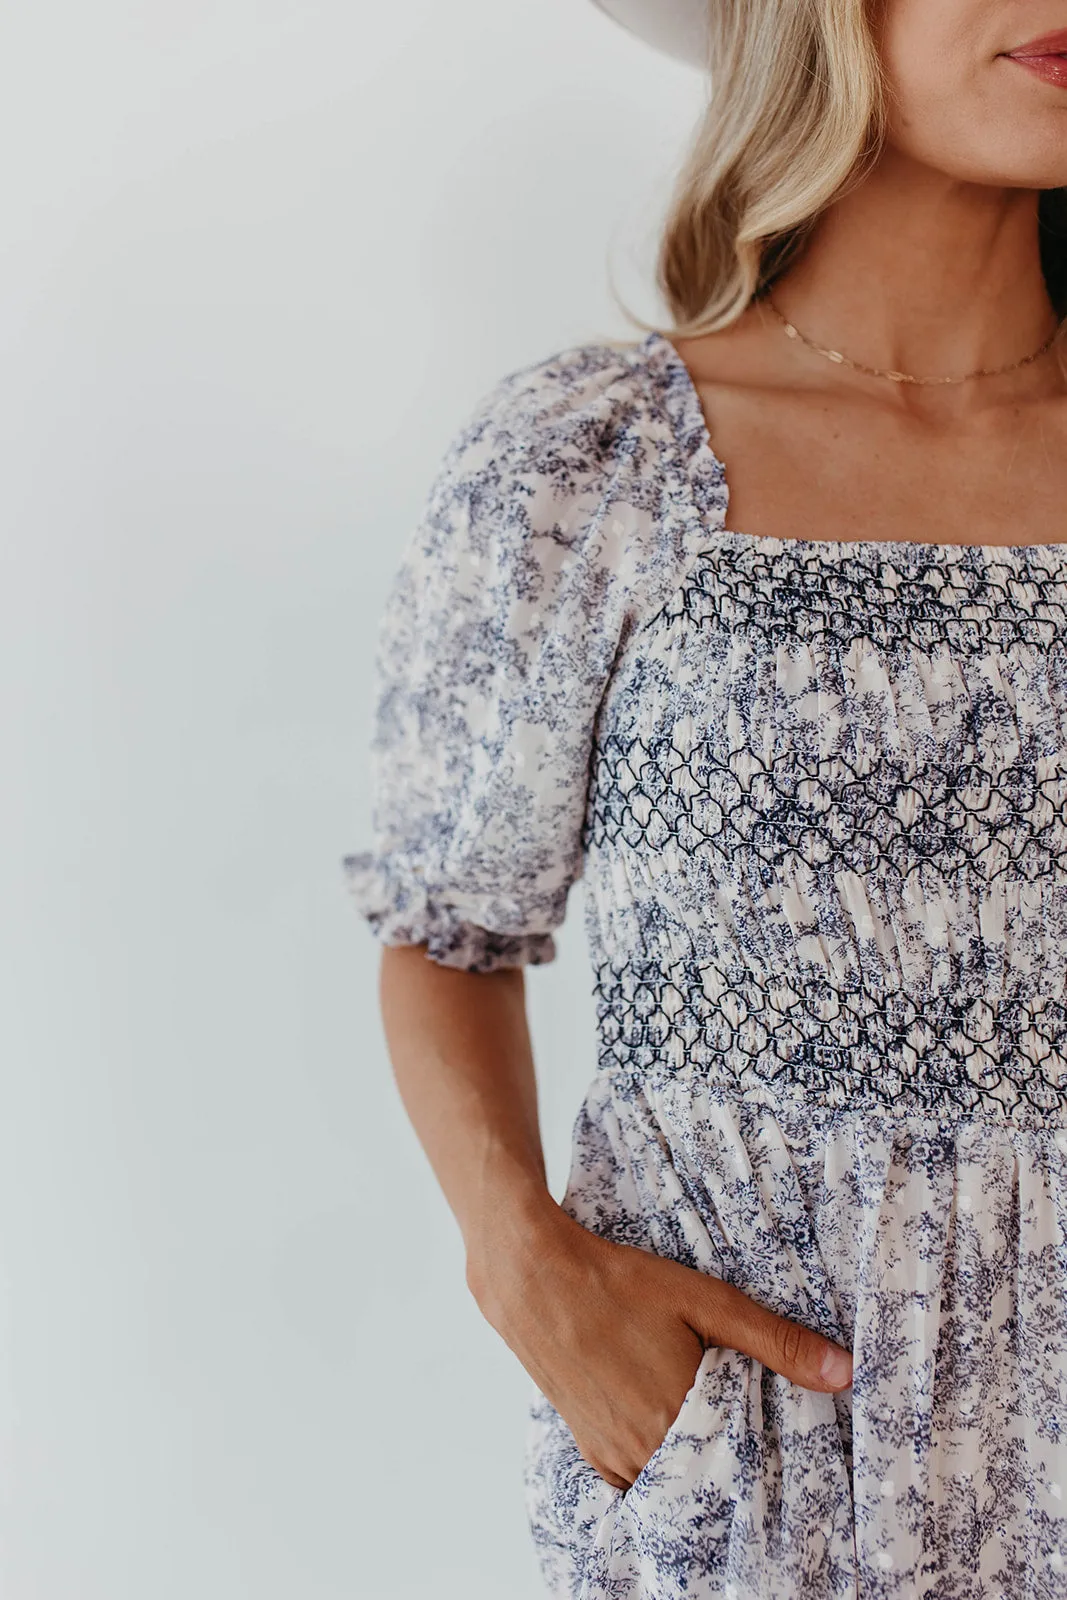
1052,68
1046,57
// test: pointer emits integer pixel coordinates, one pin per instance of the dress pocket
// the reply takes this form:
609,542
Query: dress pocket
568,1503
680,1431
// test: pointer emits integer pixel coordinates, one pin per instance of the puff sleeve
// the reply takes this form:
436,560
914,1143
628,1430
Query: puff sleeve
497,638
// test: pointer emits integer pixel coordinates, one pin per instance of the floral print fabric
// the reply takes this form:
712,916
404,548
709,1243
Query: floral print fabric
817,795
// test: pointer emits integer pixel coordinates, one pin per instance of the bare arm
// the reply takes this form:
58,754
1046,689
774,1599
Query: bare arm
611,1334
461,1053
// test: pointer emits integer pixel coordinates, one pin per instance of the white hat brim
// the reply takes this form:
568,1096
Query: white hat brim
679,27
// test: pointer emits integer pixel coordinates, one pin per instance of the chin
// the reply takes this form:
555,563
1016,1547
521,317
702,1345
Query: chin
1035,163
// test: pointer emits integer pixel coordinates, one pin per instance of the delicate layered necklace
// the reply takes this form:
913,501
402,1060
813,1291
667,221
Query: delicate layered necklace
904,377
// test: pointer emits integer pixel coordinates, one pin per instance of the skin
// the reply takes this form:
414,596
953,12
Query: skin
930,267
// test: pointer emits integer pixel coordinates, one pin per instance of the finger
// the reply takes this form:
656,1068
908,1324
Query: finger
606,1472
723,1315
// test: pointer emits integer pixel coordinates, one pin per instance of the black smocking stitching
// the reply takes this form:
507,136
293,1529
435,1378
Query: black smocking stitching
916,599
837,1042
889,821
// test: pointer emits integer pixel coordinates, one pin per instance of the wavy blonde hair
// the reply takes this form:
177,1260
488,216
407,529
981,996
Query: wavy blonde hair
796,117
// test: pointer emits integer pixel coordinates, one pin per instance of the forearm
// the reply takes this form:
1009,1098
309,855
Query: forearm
462,1057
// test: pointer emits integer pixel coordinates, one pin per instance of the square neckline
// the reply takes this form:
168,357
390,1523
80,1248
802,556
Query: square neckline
690,432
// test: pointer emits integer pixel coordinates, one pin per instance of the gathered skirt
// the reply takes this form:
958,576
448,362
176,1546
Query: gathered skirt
935,1250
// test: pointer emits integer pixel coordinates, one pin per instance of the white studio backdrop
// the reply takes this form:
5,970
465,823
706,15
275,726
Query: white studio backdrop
257,259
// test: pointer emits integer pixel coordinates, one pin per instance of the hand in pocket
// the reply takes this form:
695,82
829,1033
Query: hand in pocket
613,1336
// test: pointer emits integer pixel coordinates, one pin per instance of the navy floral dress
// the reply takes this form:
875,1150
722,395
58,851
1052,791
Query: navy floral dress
817,795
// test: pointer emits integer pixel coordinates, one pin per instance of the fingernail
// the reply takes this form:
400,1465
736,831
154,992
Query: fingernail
836,1369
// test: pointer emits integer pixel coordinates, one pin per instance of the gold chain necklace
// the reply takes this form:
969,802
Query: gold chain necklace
903,377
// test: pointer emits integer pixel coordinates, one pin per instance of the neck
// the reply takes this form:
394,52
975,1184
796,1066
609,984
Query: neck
925,274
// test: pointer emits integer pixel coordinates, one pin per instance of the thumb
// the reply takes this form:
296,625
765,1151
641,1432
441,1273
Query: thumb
723,1315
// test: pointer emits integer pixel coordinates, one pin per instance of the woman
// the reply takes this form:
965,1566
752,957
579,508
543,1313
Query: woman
798,1327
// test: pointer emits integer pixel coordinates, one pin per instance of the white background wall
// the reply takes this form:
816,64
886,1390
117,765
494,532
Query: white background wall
257,257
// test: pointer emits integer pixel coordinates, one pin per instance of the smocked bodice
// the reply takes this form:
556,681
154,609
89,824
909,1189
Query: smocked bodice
827,825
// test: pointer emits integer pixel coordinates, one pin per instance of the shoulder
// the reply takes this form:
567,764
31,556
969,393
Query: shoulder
576,486
567,421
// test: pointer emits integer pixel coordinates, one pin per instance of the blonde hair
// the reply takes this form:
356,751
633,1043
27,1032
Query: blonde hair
795,118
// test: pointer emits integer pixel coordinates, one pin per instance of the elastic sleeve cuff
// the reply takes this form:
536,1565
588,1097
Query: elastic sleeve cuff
400,911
